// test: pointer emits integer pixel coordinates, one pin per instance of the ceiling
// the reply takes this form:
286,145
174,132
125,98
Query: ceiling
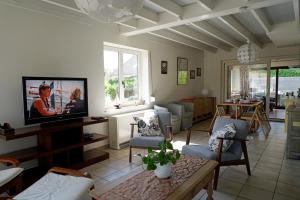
202,24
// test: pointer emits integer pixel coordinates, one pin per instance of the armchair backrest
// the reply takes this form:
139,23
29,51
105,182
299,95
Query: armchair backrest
160,108
164,119
242,131
188,106
176,109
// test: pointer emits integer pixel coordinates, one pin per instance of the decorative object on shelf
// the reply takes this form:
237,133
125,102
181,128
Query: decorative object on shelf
204,92
182,71
161,162
109,11
164,67
246,54
198,71
6,129
192,74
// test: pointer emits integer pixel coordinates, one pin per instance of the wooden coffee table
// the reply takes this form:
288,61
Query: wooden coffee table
189,176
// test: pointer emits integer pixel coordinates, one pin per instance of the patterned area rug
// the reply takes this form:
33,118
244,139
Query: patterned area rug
146,186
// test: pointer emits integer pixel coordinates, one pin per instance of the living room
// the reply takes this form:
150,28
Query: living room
192,68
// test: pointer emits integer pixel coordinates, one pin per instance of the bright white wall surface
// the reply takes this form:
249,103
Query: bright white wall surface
37,44
213,62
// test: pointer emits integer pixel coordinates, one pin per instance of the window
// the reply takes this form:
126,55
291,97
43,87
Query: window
124,76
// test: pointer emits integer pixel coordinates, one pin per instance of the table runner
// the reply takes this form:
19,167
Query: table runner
146,185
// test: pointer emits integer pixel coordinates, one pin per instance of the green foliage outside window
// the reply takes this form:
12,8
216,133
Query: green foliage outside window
112,86
286,73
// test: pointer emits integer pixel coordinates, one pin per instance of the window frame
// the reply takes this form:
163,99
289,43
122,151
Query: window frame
120,52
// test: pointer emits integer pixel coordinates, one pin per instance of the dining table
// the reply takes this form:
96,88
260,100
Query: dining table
253,111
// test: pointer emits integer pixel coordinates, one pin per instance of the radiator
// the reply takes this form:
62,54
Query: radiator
119,128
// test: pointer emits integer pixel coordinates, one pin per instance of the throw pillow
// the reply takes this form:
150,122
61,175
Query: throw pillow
148,125
228,131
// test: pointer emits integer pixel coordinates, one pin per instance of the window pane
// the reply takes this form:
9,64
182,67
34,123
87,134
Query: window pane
258,81
111,79
130,77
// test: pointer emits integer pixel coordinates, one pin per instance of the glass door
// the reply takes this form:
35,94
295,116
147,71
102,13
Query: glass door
248,82
285,84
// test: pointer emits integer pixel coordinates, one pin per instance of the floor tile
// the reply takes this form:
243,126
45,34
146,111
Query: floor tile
253,193
288,190
261,183
229,187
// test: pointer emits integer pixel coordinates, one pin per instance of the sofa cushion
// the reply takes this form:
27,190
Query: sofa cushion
7,175
228,131
142,141
58,187
203,151
148,125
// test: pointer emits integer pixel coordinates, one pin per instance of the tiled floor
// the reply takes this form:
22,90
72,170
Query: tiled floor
273,176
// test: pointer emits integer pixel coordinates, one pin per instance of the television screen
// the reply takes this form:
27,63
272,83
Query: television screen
51,99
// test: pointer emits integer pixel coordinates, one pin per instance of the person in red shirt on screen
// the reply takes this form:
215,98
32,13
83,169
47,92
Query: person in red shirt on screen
40,107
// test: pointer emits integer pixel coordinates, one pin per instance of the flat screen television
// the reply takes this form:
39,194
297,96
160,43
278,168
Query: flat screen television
49,99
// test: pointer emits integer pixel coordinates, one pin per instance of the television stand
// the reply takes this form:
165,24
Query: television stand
60,144
61,122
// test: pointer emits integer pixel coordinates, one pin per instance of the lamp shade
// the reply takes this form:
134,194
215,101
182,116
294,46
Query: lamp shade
204,92
246,54
109,11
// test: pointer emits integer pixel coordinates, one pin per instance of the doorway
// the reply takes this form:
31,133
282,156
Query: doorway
285,84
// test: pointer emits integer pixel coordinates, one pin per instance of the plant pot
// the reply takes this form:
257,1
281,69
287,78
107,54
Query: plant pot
163,171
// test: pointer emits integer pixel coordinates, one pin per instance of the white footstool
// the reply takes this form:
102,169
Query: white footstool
55,186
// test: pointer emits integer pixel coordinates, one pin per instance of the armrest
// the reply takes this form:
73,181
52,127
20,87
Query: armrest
235,139
169,132
10,160
71,172
132,129
188,136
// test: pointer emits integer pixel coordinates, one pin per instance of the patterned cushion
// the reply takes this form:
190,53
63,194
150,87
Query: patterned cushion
228,131
148,125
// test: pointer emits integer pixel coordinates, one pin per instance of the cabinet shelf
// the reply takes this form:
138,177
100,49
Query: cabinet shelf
33,152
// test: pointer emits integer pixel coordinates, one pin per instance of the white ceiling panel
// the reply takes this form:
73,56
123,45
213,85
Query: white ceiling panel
248,20
184,2
227,30
280,13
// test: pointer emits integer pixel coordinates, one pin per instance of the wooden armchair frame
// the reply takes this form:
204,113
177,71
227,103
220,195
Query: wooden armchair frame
15,185
244,161
168,136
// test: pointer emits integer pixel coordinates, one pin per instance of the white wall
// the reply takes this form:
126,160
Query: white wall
36,44
212,64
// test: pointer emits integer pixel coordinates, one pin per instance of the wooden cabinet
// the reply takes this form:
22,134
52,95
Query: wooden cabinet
60,144
204,107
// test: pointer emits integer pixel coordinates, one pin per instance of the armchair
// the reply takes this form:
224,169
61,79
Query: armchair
11,179
186,115
233,156
143,142
175,111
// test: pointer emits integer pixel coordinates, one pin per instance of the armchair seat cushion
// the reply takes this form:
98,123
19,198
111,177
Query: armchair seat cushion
9,174
203,151
146,141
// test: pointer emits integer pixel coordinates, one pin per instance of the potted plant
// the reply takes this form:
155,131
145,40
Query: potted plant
161,161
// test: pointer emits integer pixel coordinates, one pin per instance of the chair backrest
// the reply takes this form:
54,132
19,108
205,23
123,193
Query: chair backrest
160,108
164,119
242,131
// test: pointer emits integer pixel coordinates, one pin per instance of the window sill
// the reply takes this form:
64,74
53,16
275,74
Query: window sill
127,109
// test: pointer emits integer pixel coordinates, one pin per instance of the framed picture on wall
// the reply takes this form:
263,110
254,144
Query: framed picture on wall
198,71
164,67
192,74
182,71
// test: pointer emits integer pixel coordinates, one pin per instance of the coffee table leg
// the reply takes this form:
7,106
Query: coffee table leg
210,189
